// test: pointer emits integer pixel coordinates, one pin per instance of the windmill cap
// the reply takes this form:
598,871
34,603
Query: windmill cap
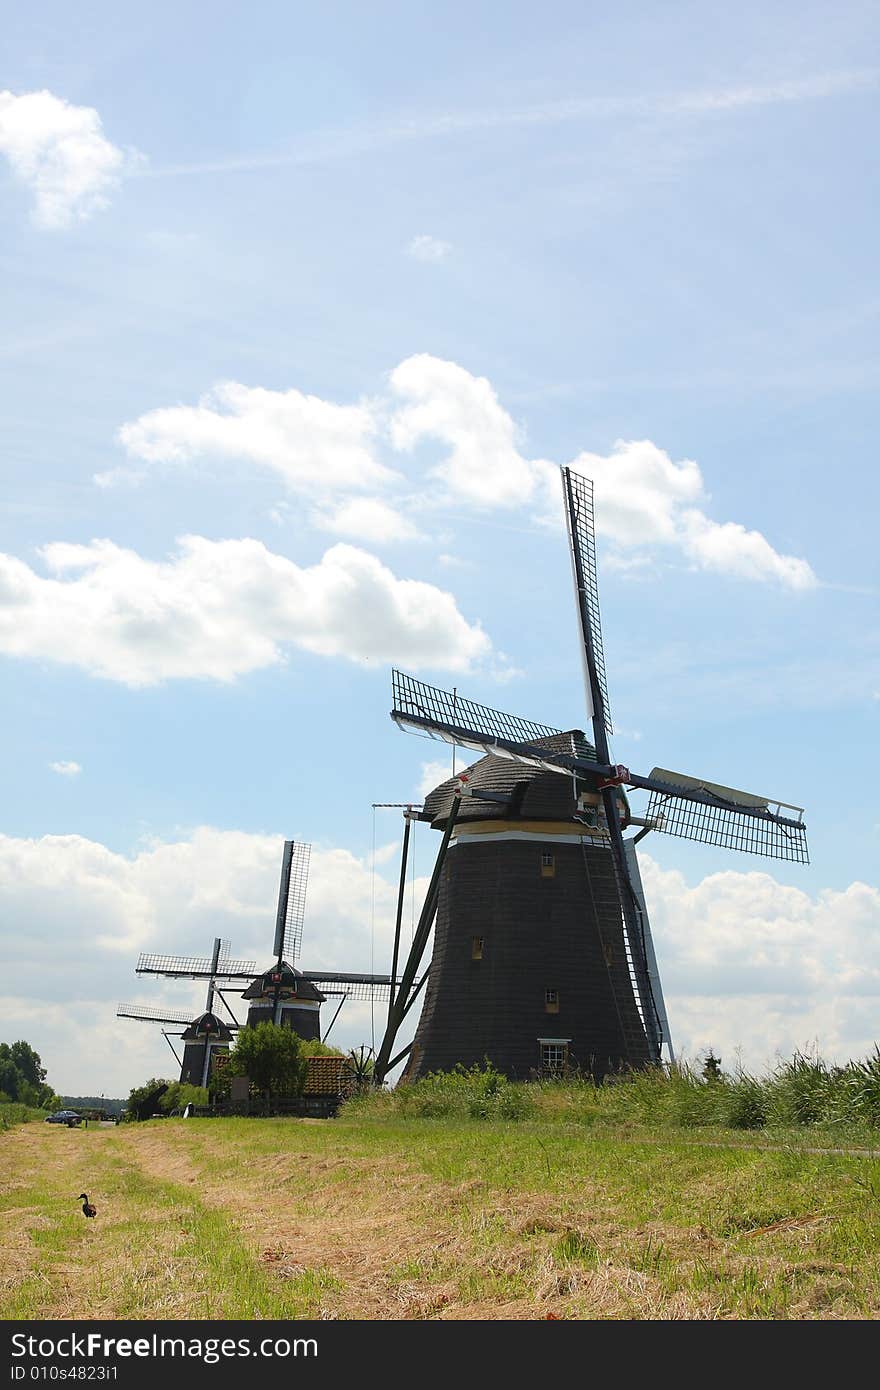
292,982
207,1025
534,793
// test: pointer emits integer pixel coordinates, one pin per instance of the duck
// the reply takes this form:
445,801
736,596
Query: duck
88,1209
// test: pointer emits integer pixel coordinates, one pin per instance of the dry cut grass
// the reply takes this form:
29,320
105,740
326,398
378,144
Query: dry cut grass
429,1219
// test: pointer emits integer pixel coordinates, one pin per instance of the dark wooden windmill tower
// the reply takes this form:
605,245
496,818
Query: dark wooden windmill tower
543,959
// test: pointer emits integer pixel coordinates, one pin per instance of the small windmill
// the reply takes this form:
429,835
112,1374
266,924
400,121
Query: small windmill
539,903
281,994
285,994
206,1033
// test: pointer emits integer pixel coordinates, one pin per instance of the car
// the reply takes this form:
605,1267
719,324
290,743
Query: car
64,1117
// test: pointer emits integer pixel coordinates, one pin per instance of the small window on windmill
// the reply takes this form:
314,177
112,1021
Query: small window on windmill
551,1001
548,864
476,948
608,952
554,1058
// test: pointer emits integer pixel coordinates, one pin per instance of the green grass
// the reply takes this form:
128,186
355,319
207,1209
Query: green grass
155,1249
380,1214
13,1113
803,1095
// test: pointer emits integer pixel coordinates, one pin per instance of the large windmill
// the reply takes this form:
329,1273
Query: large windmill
281,994
542,954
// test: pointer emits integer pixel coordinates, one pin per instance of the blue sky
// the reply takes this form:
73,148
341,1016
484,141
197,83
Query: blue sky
334,291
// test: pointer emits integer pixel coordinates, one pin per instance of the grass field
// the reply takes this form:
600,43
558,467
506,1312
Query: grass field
416,1218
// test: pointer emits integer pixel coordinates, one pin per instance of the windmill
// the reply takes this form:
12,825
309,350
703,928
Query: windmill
287,995
206,1033
281,994
543,958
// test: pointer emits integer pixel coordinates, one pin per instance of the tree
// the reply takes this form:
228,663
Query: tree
22,1074
712,1067
28,1062
10,1077
272,1057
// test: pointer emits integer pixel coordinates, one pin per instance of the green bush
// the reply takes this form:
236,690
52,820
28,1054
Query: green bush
466,1093
273,1058
799,1093
12,1112
180,1094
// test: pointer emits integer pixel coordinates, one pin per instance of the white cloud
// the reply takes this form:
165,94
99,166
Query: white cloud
61,153
311,443
220,608
644,498
651,107
368,519
639,491
428,248
747,962
432,774
730,549
447,403
66,769
74,915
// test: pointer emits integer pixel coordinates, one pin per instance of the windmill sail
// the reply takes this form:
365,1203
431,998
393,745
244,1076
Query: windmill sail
679,805
717,815
195,967
582,542
656,988
291,900
147,1013
425,709
358,987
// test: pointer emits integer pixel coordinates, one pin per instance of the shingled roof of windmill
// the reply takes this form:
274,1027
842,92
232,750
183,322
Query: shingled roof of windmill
207,1024
291,978
535,794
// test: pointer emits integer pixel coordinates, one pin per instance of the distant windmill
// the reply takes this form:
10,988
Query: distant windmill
206,1033
289,996
543,957
282,994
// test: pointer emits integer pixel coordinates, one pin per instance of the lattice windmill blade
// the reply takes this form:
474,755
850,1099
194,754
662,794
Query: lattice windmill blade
679,805
713,814
291,900
147,1013
578,492
442,714
359,987
195,967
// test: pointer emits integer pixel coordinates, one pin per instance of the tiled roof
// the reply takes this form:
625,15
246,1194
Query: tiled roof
328,1076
